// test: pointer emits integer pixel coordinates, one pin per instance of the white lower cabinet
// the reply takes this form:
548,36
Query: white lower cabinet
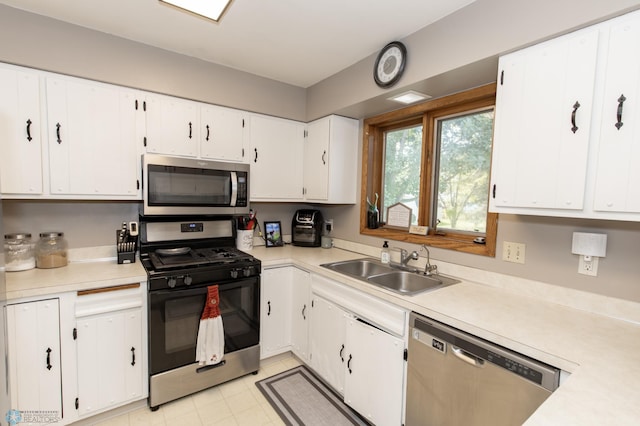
328,335
301,309
110,348
98,338
275,311
375,373
34,358
109,360
284,312
357,345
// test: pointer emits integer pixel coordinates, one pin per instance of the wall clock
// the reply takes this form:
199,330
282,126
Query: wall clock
389,64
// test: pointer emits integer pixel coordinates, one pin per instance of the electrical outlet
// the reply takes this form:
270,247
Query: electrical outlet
513,252
588,266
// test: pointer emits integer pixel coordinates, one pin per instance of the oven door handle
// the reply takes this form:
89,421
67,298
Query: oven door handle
234,189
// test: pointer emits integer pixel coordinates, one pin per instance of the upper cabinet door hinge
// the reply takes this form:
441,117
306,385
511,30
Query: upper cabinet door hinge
75,333
243,123
405,355
306,133
501,77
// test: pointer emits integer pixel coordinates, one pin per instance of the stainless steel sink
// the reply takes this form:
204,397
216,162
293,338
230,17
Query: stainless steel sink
361,268
410,282
401,281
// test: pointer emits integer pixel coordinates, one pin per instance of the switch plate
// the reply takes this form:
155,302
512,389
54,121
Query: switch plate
513,252
588,267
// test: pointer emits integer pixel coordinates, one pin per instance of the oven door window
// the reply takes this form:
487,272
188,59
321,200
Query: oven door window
183,186
175,316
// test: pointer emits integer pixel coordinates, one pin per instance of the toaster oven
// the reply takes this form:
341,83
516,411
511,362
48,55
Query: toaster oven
306,228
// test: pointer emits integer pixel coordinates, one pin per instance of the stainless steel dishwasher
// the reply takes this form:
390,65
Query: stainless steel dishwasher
455,378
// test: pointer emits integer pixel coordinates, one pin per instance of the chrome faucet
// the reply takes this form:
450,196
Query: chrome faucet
405,256
429,269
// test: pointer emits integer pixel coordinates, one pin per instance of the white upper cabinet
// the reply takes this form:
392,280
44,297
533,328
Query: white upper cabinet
172,125
20,126
222,133
618,171
542,124
92,139
276,157
330,160
566,124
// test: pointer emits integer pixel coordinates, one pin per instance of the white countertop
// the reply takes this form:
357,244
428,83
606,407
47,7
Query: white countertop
601,353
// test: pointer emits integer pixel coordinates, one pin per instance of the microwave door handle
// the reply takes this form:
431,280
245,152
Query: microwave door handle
234,189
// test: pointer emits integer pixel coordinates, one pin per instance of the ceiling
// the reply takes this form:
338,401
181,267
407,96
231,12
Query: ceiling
291,41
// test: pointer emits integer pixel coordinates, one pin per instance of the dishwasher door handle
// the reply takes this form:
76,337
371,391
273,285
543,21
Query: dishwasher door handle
467,357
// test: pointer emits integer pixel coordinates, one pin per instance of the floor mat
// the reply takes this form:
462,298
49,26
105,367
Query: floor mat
301,399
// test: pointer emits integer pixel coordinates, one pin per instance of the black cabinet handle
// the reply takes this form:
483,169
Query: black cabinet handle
304,308
190,129
29,138
58,125
324,154
255,159
48,358
341,351
493,192
269,308
349,364
621,100
574,128
133,355
207,133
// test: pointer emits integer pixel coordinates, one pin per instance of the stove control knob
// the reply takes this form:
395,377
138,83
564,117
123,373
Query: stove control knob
234,273
188,280
247,271
171,281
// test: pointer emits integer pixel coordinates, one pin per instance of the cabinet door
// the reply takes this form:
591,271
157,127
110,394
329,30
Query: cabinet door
275,311
327,342
617,173
20,124
109,348
34,356
92,131
331,150
221,133
300,313
172,126
316,160
542,124
276,157
375,373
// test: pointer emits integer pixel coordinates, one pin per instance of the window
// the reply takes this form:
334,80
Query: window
435,158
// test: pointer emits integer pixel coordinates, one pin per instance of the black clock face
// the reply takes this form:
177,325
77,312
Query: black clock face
390,64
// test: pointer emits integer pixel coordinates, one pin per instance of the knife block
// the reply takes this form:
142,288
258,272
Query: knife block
126,247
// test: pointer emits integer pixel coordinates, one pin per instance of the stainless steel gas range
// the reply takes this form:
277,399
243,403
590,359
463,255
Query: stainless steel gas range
183,257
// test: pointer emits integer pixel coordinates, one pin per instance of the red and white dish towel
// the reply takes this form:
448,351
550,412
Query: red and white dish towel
210,344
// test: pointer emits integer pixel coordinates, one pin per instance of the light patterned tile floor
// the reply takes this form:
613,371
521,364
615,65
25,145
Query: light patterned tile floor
235,403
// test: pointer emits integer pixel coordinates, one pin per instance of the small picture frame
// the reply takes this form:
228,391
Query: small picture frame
273,234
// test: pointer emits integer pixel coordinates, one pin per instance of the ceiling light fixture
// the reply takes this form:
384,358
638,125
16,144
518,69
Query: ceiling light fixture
210,9
409,97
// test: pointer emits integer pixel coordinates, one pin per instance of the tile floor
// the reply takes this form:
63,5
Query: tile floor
235,403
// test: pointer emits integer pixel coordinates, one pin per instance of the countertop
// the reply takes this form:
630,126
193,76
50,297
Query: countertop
600,352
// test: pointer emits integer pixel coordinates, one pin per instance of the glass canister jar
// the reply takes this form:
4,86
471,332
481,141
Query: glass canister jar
51,250
18,252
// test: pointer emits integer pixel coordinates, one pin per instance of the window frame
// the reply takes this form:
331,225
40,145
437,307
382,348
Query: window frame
372,158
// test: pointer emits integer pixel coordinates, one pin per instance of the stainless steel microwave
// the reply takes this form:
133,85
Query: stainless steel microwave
189,186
